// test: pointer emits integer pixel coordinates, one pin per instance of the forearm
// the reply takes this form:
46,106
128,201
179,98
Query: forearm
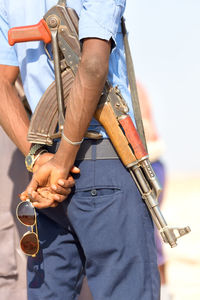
13,117
84,96
82,102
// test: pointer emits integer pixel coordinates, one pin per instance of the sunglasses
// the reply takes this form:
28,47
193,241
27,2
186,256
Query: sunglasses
26,214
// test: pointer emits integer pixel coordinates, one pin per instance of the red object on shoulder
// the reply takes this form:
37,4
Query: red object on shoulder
37,32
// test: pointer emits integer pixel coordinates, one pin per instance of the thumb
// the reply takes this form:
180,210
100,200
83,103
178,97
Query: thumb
33,185
75,170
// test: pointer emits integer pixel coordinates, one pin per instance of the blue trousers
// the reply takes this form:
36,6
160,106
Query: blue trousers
103,230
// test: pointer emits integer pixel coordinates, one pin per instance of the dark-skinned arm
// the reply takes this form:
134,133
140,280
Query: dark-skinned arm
13,117
14,121
83,99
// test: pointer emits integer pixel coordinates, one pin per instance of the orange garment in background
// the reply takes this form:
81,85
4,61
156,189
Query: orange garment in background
154,142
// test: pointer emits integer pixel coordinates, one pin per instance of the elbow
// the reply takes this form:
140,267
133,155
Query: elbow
95,68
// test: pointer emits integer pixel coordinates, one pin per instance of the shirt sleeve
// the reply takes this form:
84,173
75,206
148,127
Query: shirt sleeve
101,19
7,53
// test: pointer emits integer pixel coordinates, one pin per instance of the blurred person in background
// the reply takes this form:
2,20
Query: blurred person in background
14,178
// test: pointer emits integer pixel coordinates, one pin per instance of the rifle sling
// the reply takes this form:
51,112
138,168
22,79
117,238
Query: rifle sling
133,86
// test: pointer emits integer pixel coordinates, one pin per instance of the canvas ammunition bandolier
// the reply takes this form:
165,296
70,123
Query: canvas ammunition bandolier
60,27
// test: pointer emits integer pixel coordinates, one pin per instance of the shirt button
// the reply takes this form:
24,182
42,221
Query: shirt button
93,192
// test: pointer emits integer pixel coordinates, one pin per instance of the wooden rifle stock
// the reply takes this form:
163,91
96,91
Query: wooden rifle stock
133,137
106,117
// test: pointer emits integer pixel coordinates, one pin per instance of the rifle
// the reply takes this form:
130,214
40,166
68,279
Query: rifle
60,26
112,114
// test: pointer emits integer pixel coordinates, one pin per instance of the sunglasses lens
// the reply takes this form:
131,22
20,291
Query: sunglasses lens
26,213
29,243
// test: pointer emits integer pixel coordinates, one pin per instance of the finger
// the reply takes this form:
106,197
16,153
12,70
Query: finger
33,185
38,198
46,203
47,195
65,183
60,190
55,204
60,198
75,170
23,196
42,205
41,202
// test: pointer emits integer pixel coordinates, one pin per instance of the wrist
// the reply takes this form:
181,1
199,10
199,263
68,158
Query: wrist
66,154
73,143
41,160
35,151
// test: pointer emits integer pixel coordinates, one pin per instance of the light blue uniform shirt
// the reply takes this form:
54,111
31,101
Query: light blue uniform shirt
98,19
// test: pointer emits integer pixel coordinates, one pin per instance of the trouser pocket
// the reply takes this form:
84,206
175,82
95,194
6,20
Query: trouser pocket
94,197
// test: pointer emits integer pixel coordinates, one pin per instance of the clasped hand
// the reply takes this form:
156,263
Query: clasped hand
50,183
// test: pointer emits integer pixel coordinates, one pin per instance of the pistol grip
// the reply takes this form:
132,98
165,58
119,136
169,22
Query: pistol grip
37,32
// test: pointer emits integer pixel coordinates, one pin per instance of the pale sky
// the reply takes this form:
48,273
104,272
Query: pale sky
165,40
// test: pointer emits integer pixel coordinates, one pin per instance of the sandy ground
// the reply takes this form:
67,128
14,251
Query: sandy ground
181,208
